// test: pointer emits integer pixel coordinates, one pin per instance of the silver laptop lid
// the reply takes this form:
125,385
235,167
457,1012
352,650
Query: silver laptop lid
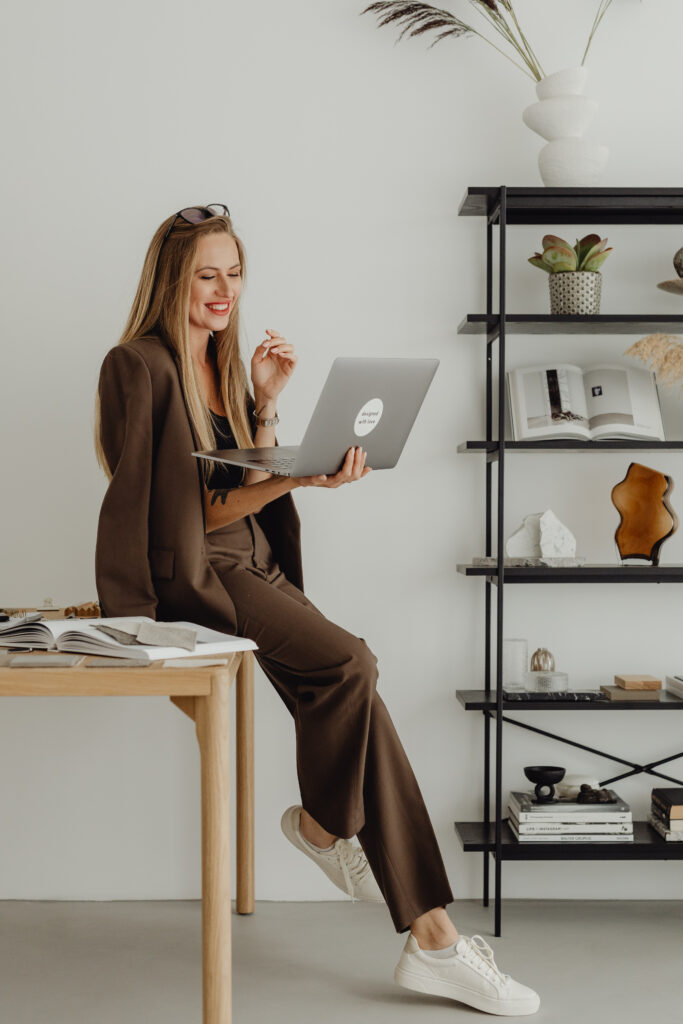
372,402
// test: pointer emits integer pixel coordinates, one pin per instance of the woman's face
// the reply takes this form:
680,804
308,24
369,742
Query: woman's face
216,282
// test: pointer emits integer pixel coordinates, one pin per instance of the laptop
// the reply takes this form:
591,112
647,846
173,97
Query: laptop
371,402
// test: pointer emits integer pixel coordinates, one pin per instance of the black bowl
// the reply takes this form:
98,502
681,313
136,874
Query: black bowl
544,777
544,773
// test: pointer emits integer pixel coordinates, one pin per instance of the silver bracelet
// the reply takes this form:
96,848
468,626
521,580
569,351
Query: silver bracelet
271,421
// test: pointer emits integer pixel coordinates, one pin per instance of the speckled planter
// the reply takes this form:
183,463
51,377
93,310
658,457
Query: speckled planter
575,292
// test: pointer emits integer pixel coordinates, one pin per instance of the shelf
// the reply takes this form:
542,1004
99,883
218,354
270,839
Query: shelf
620,445
475,700
592,206
608,573
646,845
552,208
546,323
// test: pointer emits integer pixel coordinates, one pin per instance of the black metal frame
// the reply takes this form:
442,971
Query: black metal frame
496,332
521,205
636,769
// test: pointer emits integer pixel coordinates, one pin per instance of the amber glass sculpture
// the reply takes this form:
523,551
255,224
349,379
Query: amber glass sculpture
647,518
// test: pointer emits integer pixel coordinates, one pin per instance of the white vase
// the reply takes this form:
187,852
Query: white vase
562,116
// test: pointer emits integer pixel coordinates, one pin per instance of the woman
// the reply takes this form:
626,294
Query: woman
184,538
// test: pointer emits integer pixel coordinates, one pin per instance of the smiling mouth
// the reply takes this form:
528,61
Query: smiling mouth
218,307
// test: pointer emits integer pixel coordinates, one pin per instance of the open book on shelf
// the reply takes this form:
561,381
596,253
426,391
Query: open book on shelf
560,400
82,636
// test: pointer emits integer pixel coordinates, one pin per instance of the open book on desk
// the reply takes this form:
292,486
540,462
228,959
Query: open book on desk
559,400
80,636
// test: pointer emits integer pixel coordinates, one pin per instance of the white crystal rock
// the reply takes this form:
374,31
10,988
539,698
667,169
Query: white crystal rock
541,535
557,540
525,543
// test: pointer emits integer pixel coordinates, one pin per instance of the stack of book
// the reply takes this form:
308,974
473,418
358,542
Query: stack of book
567,821
634,688
666,813
674,684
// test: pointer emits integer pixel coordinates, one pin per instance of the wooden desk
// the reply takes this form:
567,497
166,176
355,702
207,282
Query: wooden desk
204,695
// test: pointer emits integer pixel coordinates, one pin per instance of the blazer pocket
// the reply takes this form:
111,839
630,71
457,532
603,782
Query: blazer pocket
161,561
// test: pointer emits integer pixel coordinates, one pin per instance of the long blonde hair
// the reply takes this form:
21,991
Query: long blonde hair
161,307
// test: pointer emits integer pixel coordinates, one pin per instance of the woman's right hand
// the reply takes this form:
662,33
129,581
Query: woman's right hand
353,468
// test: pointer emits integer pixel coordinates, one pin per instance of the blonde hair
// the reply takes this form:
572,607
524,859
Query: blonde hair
161,307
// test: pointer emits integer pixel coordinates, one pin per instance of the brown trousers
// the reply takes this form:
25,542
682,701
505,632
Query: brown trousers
354,775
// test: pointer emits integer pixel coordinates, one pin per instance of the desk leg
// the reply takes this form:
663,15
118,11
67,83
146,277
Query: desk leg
244,736
213,732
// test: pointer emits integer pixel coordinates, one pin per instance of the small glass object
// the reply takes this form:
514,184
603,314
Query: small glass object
515,663
550,682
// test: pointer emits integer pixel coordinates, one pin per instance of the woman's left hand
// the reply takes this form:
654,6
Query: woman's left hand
272,364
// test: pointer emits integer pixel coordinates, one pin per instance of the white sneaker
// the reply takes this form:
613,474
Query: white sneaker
345,864
469,975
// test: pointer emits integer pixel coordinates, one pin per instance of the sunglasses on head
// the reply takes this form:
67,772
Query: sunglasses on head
196,214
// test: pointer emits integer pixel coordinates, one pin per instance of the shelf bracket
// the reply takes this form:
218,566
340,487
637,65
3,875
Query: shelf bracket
636,769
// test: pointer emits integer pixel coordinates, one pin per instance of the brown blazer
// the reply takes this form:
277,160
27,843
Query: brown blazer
150,556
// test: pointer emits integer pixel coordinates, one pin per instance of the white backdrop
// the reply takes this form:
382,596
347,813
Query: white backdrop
343,158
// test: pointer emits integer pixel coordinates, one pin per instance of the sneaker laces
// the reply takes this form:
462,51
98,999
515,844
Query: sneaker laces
481,958
353,863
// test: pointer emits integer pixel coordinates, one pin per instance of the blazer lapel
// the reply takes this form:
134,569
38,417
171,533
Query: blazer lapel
195,440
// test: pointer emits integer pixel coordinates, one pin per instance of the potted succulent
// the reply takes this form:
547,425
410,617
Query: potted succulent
574,278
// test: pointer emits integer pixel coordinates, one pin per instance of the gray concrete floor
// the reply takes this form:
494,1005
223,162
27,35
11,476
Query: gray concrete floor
110,963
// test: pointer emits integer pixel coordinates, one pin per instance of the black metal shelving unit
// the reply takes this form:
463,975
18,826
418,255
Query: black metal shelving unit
502,206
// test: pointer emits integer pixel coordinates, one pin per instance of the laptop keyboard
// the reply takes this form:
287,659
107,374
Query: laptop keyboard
283,462
281,458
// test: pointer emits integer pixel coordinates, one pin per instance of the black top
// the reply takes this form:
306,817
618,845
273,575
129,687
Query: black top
224,476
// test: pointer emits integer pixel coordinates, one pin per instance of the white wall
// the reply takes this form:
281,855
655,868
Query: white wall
343,158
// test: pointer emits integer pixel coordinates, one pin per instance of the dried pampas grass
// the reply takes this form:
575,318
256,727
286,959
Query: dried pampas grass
421,17
663,353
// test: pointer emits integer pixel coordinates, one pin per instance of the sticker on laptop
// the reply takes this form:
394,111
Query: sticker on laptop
369,416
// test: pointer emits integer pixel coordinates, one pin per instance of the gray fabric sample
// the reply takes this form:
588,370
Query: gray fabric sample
118,634
44,660
111,661
162,634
